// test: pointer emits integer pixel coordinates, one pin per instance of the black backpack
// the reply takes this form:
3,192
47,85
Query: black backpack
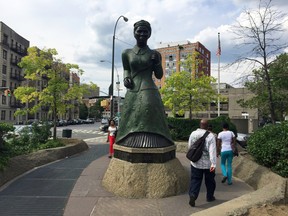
196,150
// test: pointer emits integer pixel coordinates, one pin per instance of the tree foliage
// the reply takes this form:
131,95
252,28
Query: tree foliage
278,73
56,91
188,90
96,110
259,32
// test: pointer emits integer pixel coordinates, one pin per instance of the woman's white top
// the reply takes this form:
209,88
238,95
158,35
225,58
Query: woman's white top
112,130
226,139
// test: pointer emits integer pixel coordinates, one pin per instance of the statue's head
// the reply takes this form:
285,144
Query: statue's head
142,31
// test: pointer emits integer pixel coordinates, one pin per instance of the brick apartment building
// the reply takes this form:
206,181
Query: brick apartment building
174,53
13,47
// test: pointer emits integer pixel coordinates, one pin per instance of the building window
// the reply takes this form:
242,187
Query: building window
3,99
10,115
3,114
4,69
183,55
3,83
224,106
4,54
5,39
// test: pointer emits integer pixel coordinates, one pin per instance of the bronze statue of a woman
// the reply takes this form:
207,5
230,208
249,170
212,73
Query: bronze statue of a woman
143,121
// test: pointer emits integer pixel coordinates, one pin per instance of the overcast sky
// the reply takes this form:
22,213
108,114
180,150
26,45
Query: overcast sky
81,30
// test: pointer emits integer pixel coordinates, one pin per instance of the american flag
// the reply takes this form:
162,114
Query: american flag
218,53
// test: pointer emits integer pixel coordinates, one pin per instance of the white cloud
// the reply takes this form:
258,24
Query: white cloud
82,30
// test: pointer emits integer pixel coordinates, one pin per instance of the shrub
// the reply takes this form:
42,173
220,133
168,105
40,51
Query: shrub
28,140
180,129
4,129
51,144
269,147
40,134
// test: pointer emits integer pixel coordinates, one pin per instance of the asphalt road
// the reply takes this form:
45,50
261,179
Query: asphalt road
83,131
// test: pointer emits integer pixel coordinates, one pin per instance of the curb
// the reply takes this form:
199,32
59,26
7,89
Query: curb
23,163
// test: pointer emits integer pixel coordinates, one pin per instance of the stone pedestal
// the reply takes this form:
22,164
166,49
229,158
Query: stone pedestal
148,179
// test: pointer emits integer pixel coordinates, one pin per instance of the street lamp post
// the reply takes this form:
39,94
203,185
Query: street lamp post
113,50
117,84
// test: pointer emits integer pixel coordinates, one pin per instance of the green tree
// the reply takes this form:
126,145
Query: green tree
83,111
188,89
96,110
91,89
259,32
278,73
57,93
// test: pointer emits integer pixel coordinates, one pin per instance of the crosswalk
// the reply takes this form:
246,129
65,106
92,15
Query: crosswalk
85,131
101,136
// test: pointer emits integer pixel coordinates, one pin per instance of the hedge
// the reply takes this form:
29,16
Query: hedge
181,129
269,147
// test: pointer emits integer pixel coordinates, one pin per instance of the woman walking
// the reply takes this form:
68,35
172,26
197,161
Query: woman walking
225,138
111,137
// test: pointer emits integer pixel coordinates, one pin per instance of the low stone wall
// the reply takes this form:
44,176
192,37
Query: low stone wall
23,163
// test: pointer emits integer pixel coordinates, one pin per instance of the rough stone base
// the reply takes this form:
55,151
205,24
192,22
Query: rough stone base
146,180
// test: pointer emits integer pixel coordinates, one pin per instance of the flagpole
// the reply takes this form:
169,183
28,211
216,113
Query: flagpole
219,54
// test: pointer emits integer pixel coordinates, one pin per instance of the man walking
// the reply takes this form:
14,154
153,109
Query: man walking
204,166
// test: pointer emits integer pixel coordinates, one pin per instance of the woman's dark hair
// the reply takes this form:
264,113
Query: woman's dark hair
225,125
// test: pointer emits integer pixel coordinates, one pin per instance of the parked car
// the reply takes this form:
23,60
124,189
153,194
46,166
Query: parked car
62,122
104,121
32,121
242,139
19,129
75,121
104,127
89,121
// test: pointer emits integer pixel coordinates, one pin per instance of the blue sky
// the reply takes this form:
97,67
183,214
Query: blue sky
81,30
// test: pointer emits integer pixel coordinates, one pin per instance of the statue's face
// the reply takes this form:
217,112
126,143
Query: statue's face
142,34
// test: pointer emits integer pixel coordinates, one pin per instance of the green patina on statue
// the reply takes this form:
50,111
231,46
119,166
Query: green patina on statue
143,121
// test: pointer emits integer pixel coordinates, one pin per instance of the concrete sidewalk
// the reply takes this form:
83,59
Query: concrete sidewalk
89,198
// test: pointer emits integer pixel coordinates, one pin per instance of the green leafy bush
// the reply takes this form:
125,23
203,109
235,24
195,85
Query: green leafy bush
4,129
269,147
52,144
27,141
180,129
40,134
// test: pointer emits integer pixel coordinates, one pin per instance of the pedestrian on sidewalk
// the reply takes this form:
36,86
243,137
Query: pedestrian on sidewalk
111,137
224,149
205,166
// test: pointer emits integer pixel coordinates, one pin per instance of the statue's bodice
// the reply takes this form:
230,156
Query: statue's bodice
140,68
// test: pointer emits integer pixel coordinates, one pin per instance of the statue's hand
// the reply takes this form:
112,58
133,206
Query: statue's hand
128,83
155,58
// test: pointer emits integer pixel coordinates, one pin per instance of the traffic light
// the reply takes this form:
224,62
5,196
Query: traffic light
7,92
